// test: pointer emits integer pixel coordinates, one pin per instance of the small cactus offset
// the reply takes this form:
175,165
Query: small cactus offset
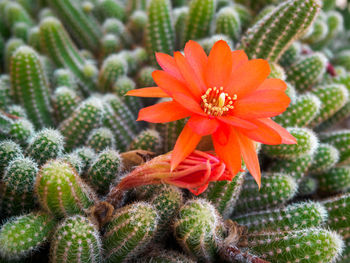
130,231
30,87
228,23
276,190
60,190
86,155
297,168
273,34
148,140
76,239
22,235
65,100
341,141
17,190
338,214
9,150
100,139
306,145
307,71
46,144
199,229
301,112
20,131
308,245
224,195
334,180
325,157
104,170
87,116
333,98
292,217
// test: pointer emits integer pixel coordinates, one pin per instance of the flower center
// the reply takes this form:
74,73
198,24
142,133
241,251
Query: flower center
215,102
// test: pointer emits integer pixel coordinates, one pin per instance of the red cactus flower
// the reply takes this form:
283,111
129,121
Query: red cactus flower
193,173
226,96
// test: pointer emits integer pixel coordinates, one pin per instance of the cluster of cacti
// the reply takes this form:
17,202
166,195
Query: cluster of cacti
65,125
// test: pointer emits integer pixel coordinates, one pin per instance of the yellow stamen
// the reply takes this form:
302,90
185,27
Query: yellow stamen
215,102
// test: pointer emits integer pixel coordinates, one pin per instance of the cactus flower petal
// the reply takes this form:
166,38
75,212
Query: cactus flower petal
227,96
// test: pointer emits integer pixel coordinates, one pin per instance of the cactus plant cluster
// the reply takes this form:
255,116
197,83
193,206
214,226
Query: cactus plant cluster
65,125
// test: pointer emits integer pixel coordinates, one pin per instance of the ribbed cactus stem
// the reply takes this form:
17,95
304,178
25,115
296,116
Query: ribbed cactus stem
340,140
292,217
273,34
308,245
198,229
100,139
200,17
30,87
86,117
9,150
65,100
76,239
148,140
160,36
130,232
46,144
104,169
57,44
21,236
83,27
61,191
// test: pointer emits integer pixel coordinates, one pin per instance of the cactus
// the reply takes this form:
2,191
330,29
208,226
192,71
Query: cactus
224,194
86,155
200,17
148,140
199,230
30,87
20,30
100,139
17,111
46,144
340,140
307,71
21,130
105,9
160,36
16,195
325,157
334,180
338,218
84,28
65,100
118,29
276,190
9,150
306,145
20,236
5,97
121,87
292,217
318,33
113,67
86,117
333,98
122,110
277,72
15,13
104,169
11,46
110,44
123,134
308,245
63,77
76,239
297,168
301,112
228,23
60,190
74,160
56,43
144,78
292,18
129,232
307,186
291,55
137,24
167,201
